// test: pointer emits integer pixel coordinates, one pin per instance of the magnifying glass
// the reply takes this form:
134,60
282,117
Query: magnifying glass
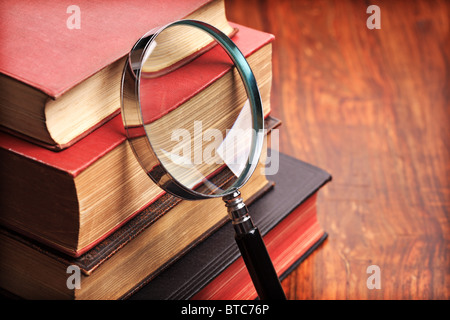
199,146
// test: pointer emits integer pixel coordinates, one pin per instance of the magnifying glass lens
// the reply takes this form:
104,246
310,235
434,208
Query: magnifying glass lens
195,111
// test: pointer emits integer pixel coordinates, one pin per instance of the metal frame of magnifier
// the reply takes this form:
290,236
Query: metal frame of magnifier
247,237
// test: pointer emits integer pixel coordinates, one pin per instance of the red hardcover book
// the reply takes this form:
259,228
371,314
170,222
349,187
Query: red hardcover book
42,191
39,49
63,60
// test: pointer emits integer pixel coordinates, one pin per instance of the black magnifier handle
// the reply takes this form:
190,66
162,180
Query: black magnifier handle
253,250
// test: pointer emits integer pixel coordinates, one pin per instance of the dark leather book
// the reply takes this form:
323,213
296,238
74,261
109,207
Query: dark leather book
296,185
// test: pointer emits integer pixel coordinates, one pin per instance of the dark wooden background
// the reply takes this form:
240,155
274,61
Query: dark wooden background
372,108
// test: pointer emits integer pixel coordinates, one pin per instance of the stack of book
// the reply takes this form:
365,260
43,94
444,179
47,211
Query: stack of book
74,198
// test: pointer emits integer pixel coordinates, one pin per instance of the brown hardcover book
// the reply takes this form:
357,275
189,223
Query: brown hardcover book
140,249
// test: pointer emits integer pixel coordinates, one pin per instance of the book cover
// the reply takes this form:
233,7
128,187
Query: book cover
39,48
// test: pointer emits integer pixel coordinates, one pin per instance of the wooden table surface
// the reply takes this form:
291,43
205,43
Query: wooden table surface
372,108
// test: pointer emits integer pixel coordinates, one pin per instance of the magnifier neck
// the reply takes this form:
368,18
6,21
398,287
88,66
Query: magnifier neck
238,213
231,196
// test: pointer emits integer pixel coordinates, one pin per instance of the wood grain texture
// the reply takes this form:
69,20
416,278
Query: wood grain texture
372,108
